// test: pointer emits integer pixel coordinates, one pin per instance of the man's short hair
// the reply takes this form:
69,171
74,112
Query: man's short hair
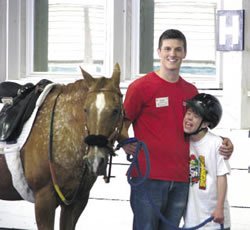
173,34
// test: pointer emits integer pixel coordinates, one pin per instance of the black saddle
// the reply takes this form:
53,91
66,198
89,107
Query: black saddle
21,101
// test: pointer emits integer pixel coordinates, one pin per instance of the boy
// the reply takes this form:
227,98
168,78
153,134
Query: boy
208,169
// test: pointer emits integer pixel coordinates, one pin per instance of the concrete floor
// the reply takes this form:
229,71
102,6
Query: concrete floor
99,214
108,208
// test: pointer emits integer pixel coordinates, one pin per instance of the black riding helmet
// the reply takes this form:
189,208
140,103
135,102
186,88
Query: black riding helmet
206,106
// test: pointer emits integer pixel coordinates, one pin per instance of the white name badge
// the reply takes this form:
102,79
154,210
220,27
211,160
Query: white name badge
161,102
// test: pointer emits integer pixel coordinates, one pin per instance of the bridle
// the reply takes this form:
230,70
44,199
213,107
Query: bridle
103,141
112,137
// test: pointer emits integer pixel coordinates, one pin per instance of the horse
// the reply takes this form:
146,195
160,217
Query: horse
68,147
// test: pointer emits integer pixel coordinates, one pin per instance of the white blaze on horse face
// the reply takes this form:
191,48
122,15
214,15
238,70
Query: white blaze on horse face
96,160
100,105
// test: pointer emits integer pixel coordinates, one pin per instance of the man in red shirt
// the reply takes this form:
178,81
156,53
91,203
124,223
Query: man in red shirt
155,105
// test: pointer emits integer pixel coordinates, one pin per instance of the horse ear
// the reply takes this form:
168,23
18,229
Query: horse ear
116,75
89,79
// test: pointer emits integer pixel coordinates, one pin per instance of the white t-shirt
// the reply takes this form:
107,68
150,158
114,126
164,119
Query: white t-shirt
205,165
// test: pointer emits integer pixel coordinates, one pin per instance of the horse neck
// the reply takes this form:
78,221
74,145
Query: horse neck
79,85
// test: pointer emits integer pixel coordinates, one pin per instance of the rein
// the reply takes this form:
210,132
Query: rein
51,163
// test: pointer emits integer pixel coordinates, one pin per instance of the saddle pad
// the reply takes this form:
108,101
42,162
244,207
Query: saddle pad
12,151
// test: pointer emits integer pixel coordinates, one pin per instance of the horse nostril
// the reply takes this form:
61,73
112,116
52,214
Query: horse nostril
87,162
102,167
96,164
102,160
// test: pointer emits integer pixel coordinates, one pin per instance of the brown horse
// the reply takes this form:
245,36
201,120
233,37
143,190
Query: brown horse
86,119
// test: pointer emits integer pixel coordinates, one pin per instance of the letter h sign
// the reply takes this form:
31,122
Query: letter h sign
230,30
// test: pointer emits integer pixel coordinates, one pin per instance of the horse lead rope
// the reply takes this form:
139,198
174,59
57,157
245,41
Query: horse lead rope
134,162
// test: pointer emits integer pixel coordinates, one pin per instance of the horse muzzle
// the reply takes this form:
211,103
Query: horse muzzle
98,152
97,160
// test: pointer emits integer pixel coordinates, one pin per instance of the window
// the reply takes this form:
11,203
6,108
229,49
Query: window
196,19
74,33
67,33
56,36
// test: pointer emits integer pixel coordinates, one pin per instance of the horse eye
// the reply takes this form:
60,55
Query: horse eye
116,111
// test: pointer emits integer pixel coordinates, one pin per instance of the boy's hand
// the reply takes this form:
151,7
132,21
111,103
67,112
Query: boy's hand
218,215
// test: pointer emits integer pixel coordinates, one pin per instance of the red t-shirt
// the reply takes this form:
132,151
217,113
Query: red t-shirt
156,108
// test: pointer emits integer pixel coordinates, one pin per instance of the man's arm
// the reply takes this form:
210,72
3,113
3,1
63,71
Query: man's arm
124,131
227,148
218,213
128,148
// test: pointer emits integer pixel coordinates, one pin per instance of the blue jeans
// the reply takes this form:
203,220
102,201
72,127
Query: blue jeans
169,197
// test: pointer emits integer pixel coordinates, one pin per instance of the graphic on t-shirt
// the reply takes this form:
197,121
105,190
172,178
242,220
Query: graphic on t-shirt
194,169
198,172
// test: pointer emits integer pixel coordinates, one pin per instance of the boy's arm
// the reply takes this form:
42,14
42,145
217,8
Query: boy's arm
218,213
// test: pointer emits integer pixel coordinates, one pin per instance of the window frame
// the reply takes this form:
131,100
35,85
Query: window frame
201,81
21,13
30,49
124,45
3,40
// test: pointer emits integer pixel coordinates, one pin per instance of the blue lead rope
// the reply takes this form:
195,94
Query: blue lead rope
134,163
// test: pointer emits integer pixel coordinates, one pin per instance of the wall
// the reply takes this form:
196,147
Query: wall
235,74
235,100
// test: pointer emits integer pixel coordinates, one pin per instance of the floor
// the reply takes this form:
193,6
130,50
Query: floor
99,214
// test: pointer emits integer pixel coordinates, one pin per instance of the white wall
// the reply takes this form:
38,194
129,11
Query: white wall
235,98
235,74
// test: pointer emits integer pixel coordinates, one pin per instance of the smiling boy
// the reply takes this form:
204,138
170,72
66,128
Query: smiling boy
208,169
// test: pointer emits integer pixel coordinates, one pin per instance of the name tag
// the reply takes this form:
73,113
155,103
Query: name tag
161,102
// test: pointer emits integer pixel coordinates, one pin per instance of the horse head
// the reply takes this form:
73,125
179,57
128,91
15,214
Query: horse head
103,119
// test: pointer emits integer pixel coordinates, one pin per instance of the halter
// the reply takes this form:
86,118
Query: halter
101,140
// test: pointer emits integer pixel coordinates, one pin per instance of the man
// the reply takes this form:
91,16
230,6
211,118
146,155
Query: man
155,105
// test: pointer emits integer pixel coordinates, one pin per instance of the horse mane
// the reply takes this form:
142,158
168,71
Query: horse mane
104,83
99,84
75,87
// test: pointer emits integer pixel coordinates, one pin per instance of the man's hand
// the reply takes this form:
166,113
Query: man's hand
130,148
226,149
